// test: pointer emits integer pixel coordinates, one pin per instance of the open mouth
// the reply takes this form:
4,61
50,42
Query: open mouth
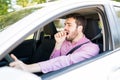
67,33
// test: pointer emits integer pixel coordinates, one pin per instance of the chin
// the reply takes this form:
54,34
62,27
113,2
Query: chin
68,39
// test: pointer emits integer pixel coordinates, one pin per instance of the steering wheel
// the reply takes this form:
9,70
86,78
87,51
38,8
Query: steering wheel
8,58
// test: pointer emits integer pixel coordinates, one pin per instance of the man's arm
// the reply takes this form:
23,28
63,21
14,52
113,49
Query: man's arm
60,38
20,65
85,52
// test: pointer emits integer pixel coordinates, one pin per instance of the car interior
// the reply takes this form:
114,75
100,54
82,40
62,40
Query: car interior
34,50
46,42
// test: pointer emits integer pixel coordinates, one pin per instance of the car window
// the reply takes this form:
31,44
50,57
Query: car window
30,37
59,23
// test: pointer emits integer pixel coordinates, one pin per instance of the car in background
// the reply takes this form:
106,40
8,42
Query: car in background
31,39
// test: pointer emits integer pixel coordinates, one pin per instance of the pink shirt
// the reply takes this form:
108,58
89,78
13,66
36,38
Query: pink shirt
59,59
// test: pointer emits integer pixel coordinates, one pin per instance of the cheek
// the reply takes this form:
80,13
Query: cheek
73,32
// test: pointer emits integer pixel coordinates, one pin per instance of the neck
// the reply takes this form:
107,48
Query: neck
78,37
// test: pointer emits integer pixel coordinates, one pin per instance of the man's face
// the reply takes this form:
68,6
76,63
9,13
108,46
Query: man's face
71,29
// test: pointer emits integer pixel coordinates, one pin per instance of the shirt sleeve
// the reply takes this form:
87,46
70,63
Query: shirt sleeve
55,53
85,52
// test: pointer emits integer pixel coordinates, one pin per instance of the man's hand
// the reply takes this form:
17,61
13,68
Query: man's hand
20,65
60,37
17,63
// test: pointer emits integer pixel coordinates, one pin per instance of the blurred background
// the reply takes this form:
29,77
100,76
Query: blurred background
13,10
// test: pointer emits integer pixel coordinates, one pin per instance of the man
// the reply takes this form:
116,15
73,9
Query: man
71,36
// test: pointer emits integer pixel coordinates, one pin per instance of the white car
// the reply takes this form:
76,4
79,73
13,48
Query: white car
31,40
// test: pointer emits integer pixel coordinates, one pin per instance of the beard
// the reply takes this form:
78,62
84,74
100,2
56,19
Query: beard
71,36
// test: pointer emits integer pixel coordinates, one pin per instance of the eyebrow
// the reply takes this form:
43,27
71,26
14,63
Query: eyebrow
67,23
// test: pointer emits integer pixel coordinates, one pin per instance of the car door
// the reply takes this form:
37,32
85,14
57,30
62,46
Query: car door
104,66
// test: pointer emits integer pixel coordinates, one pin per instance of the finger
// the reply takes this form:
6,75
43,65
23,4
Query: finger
14,57
12,64
57,35
61,34
65,33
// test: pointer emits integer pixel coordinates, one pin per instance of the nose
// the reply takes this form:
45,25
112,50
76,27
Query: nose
65,27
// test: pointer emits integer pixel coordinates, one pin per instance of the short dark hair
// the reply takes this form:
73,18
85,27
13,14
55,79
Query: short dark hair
80,20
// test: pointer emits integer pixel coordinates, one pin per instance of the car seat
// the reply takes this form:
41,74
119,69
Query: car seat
93,32
47,43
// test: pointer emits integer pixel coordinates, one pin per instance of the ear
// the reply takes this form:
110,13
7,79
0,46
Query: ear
80,28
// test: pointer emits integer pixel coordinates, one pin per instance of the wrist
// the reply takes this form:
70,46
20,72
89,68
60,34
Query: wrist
26,68
33,68
58,46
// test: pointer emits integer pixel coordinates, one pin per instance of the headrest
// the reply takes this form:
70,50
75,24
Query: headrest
50,29
92,29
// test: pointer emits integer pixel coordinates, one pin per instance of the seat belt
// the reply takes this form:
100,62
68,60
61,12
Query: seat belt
76,47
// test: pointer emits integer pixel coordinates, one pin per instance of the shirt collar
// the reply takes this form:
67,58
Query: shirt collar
81,41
